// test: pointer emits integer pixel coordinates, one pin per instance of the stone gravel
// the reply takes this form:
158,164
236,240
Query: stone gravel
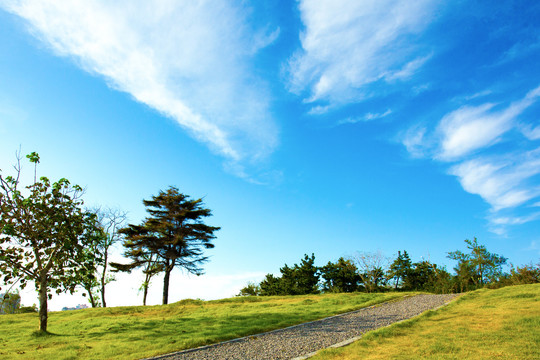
301,340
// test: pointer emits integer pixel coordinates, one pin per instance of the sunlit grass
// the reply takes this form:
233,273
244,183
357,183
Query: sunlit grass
138,332
485,324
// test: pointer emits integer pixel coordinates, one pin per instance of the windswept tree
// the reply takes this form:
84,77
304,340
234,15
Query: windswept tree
174,232
43,235
478,266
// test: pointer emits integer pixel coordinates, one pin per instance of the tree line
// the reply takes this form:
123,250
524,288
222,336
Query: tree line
372,272
48,238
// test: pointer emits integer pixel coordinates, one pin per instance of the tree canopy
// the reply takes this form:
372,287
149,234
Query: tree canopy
43,235
174,232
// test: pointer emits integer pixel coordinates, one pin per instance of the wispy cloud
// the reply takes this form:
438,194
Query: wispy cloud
348,45
470,128
465,138
502,183
190,61
365,118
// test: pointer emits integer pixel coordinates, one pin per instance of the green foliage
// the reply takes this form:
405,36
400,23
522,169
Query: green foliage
478,267
341,276
43,235
250,289
300,279
400,269
174,233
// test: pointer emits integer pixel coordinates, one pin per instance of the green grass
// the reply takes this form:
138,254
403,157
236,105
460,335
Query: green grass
484,324
138,332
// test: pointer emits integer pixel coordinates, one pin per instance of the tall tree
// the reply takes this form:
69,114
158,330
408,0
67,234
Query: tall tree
174,232
479,265
43,233
400,268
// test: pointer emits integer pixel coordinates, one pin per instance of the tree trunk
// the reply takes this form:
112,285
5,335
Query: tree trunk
103,303
168,270
145,292
42,291
91,297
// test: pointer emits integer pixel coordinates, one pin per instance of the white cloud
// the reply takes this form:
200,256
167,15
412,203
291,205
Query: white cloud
471,128
502,183
414,141
188,60
365,117
347,45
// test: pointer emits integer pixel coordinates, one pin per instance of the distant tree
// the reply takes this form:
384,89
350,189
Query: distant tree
341,276
43,234
421,276
299,279
174,233
272,286
250,289
479,265
10,303
94,256
371,269
526,274
110,221
400,268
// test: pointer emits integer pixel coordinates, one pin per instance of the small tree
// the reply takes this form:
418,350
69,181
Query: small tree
341,276
174,233
43,233
250,289
400,268
479,265
371,269
296,280
110,221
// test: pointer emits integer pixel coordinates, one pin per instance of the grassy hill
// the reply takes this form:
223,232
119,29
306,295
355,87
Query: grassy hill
484,324
138,332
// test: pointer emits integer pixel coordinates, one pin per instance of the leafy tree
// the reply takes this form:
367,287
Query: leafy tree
250,289
341,276
526,274
371,269
400,268
272,286
174,233
299,279
43,233
479,265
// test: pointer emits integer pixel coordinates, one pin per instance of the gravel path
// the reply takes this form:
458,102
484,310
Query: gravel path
298,342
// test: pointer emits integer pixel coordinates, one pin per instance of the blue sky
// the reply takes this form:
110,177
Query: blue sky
324,127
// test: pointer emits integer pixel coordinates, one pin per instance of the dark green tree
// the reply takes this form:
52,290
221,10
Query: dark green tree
478,266
299,279
400,268
43,235
341,276
173,232
251,289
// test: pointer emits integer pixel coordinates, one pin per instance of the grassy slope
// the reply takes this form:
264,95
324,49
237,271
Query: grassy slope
138,332
485,324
